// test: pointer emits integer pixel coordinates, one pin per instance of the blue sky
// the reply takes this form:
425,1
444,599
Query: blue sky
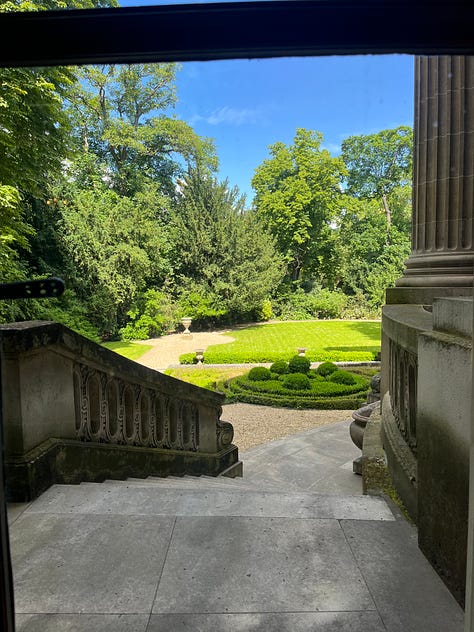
246,105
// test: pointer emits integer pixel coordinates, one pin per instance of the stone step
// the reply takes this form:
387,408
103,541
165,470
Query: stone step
140,500
212,482
202,485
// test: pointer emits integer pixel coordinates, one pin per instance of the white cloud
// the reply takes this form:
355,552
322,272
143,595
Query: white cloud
332,148
228,116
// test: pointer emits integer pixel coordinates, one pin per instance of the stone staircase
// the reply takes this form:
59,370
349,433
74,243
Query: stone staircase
292,546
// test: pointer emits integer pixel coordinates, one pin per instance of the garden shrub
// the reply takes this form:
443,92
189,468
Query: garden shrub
296,390
297,381
265,311
259,373
299,364
328,304
326,368
342,377
280,367
153,314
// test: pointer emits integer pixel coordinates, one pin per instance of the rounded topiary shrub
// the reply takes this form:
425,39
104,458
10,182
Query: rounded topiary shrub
297,381
299,364
326,368
342,377
280,367
259,374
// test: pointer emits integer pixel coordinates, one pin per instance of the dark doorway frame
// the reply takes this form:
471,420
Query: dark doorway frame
201,32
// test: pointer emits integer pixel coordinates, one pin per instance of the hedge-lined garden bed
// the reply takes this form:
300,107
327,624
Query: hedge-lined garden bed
294,385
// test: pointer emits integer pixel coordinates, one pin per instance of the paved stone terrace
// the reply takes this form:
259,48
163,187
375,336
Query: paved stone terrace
293,546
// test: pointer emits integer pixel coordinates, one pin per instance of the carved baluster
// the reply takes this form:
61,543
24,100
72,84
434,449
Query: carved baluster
179,412
103,408
112,397
166,422
194,427
93,396
145,414
84,424
121,413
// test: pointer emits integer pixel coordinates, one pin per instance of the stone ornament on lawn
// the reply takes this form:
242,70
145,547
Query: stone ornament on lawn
186,321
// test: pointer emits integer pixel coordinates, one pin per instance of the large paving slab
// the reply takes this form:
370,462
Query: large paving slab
315,460
268,622
409,595
232,565
148,500
77,563
82,623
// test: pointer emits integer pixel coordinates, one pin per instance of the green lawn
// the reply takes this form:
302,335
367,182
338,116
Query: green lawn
332,340
131,350
205,377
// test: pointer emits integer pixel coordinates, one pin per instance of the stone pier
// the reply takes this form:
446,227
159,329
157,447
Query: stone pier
427,322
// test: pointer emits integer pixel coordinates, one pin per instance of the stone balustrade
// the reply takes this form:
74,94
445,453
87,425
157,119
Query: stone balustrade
75,411
401,327
403,389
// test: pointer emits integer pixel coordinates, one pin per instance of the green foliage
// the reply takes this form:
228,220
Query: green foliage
326,368
296,194
115,245
342,377
318,303
70,312
225,265
377,163
280,367
33,126
152,315
265,312
298,391
296,381
299,364
259,373
119,115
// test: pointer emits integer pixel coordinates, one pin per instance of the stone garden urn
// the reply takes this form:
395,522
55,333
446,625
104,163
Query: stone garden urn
360,418
186,321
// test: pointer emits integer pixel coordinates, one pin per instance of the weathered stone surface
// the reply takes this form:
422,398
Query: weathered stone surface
147,500
400,591
310,567
88,563
268,622
82,623
74,410
444,435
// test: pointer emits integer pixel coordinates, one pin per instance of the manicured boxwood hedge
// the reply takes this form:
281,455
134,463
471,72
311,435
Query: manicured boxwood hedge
323,393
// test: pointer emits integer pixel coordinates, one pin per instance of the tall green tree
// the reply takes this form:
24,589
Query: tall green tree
123,115
226,263
379,163
116,247
297,191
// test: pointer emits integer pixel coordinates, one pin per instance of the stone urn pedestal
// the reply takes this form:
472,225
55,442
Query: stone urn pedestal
186,321
356,430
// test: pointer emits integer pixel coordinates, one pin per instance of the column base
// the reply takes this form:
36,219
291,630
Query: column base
424,295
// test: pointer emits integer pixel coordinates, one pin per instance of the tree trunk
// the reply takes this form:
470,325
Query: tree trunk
388,217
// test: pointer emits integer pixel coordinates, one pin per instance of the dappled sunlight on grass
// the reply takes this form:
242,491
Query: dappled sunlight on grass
131,350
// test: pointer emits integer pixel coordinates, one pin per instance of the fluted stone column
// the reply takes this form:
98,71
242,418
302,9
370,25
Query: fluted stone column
441,262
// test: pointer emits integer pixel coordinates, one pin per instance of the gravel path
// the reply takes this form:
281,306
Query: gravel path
254,425
167,349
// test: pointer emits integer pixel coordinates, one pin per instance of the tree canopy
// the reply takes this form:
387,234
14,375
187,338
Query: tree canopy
296,194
